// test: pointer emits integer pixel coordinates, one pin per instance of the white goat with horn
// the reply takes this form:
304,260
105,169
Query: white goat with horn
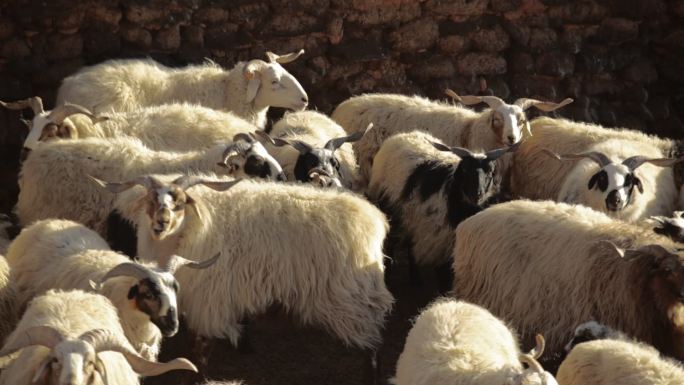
610,186
501,124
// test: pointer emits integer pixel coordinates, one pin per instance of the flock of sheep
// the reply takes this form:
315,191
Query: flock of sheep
150,192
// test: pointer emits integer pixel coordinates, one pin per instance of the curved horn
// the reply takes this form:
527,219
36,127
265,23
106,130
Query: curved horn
539,349
187,181
499,152
633,162
440,146
36,104
147,181
319,171
38,335
468,100
126,269
243,136
596,156
526,103
300,146
265,136
284,59
531,362
335,143
105,340
62,112
176,261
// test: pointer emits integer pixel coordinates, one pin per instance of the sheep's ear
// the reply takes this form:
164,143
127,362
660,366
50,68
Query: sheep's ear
252,75
252,89
640,186
593,181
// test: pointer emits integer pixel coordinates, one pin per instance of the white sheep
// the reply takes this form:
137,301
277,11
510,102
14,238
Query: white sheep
309,142
557,254
611,362
247,90
534,177
454,342
428,188
606,179
172,127
53,182
501,124
61,254
318,252
74,338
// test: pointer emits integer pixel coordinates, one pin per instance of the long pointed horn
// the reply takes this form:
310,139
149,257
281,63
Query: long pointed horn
265,136
539,348
35,103
596,156
187,181
302,147
105,340
62,112
284,59
127,269
243,136
147,181
38,335
499,152
492,101
526,103
335,143
176,262
634,162
531,362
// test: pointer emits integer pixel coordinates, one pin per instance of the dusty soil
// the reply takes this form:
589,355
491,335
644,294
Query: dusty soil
282,352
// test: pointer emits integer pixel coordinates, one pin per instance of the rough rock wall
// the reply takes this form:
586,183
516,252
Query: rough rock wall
622,60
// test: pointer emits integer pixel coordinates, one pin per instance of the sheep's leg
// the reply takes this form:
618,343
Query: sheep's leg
372,368
444,277
244,343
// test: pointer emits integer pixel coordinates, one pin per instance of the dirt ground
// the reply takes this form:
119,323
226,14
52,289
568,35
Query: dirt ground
285,353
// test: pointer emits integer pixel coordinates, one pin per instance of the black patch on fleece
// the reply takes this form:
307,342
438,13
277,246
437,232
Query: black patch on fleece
121,235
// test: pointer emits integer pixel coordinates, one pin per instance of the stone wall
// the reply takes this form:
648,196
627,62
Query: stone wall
621,60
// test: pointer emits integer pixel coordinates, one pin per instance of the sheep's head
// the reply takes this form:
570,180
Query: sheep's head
671,227
319,165
476,171
49,125
590,331
167,202
508,121
269,84
247,157
156,292
74,361
615,181
535,373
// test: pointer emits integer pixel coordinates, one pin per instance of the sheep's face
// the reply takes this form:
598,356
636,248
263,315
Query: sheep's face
616,183
269,84
670,276
166,210
508,122
250,159
476,178
42,129
319,166
157,297
71,362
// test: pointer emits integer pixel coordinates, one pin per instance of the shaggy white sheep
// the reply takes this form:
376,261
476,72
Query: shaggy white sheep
534,177
318,252
428,188
74,338
53,182
247,90
606,179
454,342
309,142
611,362
556,253
501,124
61,254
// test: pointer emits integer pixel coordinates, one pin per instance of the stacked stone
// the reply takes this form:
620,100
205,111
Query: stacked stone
621,60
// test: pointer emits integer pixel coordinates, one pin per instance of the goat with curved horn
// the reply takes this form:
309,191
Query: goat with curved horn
468,100
176,261
298,145
38,335
129,269
284,59
499,152
35,103
335,143
601,159
58,114
149,182
187,181
635,162
526,103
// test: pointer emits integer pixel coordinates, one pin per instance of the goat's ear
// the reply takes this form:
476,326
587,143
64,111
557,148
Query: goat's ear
639,185
253,76
593,181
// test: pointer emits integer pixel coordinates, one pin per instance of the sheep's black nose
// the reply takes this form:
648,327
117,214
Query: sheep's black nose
511,139
305,99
